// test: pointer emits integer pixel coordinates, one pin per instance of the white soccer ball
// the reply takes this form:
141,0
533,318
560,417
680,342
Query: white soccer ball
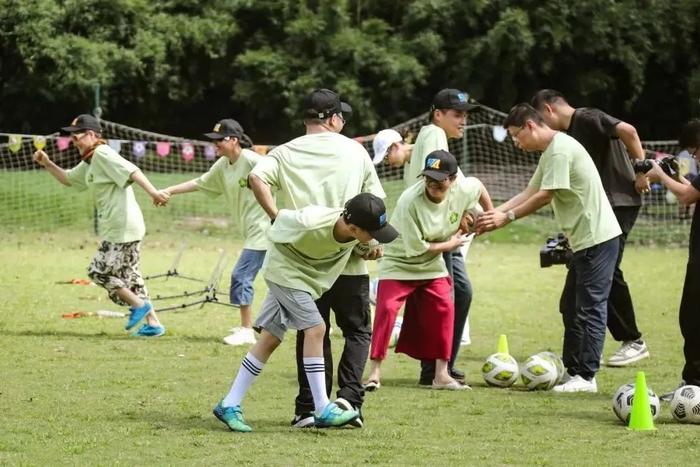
558,363
685,405
623,398
395,331
362,249
538,373
500,369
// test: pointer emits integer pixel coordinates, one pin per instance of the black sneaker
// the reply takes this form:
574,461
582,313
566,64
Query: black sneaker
305,420
457,374
359,422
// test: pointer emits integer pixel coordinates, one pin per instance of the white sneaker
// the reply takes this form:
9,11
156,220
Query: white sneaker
629,352
241,336
577,384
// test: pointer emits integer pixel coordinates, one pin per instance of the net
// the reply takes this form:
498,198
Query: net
32,199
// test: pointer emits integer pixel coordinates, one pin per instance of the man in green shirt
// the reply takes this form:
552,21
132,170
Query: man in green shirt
309,249
567,179
448,119
108,178
325,168
229,177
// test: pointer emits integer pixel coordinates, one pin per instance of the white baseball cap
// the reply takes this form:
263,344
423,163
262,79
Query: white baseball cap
381,143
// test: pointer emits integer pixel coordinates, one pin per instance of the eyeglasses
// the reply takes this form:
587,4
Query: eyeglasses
517,133
340,116
76,136
432,181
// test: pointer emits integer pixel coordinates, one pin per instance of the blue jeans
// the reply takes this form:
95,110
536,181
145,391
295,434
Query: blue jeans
243,276
591,272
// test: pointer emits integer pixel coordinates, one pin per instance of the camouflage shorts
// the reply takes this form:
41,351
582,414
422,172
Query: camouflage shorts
116,266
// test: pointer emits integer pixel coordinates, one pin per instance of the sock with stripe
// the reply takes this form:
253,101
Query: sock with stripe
250,369
315,370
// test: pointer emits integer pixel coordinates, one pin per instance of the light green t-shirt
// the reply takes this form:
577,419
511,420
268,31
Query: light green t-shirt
421,222
430,138
108,178
321,169
231,180
579,203
303,253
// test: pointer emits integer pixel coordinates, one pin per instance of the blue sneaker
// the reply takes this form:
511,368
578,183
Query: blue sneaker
137,314
232,417
333,415
150,331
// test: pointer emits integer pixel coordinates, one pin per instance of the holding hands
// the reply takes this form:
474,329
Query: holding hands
160,197
491,220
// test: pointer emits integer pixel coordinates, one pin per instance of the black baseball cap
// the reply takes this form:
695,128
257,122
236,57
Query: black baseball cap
83,122
454,99
369,213
229,127
440,165
322,103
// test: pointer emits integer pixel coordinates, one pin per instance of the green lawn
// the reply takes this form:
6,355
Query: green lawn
81,392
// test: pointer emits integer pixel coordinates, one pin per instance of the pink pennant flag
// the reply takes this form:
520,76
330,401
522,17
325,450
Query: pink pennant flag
139,149
187,152
62,142
210,152
162,148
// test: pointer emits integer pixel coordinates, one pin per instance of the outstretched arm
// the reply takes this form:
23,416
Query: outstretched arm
41,158
495,219
159,198
263,193
184,187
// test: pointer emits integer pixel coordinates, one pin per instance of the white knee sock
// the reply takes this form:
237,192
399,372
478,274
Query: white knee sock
250,369
315,370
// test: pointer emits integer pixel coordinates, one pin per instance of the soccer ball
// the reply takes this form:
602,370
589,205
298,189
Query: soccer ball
558,363
685,405
362,249
500,369
538,373
395,332
623,398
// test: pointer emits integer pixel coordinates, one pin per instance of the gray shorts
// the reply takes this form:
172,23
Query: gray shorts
285,308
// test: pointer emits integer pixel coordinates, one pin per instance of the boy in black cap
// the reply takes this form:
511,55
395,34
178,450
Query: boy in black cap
412,271
325,168
309,249
109,177
229,177
448,119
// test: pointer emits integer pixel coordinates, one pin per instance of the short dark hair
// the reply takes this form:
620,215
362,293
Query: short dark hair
546,96
520,114
690,134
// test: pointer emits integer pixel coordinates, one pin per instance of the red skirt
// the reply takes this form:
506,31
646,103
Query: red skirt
428,320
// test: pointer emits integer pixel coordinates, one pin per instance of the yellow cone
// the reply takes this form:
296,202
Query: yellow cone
503,344
641,418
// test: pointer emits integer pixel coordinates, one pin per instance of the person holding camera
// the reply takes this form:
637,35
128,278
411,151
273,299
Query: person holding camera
687,192
610,142
566,178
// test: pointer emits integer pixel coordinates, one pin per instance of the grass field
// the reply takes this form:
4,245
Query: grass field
81,392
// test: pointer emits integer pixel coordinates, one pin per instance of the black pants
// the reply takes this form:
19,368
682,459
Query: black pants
689,319
349,300
622,322
462,288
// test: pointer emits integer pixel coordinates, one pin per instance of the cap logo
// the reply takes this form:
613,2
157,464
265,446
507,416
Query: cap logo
432,164
217,127
382,219
461,97
74,122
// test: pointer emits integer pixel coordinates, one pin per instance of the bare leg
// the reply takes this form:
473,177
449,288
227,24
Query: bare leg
375,370
442,376
313,340
135,302
246,316
265,346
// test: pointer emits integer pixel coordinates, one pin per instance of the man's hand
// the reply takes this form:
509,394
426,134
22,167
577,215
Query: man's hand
655,173
161,198
491,220
466,223
374,253
456,241
641,183
41,158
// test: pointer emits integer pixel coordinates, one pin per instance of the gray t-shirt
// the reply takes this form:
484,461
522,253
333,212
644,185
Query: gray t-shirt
595,130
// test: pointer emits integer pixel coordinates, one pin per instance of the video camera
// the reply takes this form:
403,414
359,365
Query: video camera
555,251
668,164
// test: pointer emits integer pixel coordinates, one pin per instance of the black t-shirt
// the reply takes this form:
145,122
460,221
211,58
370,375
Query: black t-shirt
694,242
595,130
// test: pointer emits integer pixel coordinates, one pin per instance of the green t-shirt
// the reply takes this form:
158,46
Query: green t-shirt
231,180
430,138
108,178
303,253
579,203
320,169
421,222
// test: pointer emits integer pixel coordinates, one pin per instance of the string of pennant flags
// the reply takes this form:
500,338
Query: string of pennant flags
138,148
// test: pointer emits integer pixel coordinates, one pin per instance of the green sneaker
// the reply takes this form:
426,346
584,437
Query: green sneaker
333,415
232,417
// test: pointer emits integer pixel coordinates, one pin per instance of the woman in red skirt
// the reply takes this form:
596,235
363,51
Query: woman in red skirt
428,216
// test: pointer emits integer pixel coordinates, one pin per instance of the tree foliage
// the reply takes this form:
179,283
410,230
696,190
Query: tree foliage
178,66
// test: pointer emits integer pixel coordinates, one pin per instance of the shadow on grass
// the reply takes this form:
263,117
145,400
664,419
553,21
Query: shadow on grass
101,335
